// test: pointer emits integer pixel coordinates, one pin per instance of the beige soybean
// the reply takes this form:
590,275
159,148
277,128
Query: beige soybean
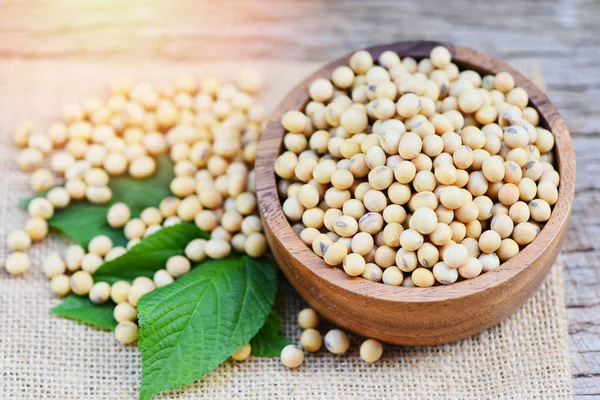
507,250
391,234
392,276
385,256
471,269
336,341
425,220
411,239
335,253
444,274
373,272
489,241
311,340
422,277
18,240
540,210
354,264
455,256
17,263
427,255
524,233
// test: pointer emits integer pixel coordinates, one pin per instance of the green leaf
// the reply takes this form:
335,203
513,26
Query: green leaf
82,221
150,255
268,342
80,308
191,326
139,194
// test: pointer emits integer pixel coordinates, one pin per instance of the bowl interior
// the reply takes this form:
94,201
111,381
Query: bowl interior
270,203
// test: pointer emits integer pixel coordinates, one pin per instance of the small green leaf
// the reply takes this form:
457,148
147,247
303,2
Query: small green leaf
151,254
82,221
191,326
268,342
139,194
80,308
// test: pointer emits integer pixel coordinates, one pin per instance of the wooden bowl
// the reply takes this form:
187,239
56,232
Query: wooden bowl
415,316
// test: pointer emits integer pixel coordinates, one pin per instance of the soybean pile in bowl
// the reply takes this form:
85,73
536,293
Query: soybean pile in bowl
407,314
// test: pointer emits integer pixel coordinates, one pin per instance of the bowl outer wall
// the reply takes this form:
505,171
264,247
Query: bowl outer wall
415,316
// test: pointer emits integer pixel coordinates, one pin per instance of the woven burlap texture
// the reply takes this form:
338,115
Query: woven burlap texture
46,357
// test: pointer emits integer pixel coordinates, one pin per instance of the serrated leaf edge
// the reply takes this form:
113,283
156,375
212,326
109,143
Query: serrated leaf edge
163,387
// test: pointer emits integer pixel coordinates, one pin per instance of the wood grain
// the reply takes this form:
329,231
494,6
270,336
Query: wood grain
563,36
414,316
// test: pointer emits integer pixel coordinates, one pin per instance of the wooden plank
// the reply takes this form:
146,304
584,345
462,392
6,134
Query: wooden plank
582,257
562,37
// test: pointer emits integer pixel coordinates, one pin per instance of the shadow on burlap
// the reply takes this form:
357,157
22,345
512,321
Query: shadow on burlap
42,356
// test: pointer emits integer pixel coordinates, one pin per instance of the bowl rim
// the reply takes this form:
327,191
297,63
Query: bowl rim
272,213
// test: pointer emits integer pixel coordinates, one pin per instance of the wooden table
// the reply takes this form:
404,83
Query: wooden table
563,36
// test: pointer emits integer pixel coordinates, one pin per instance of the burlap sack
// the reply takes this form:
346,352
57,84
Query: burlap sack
46,357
